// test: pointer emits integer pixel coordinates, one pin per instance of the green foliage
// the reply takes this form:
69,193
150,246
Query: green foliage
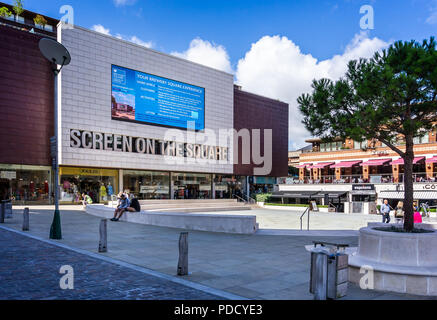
5,13
40,20
18,7
262,197
392,94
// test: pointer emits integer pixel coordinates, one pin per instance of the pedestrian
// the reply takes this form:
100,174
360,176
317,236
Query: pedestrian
121,208
86,199
417,215
385,211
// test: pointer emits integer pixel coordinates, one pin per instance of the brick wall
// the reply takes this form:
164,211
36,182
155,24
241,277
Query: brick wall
256,112
26,99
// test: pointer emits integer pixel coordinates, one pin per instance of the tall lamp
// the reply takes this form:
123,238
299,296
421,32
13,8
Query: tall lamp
57,54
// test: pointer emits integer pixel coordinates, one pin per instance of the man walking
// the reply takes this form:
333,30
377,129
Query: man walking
385,211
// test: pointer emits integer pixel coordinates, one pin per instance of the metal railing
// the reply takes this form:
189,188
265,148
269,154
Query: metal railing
373,178
248,201
307,210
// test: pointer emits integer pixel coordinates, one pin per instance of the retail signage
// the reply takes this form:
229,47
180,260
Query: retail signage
147,98
10,175
363,187
122,143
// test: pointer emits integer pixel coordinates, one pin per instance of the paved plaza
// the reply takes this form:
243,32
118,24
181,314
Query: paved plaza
261,266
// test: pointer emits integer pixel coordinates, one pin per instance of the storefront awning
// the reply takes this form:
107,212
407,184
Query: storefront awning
346,164
401,161
432,160
321,165
375,162
306,165
418,195
362,192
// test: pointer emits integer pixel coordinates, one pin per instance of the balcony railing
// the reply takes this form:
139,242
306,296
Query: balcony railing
373,178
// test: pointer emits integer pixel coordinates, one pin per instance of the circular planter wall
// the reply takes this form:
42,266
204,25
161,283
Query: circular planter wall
401,262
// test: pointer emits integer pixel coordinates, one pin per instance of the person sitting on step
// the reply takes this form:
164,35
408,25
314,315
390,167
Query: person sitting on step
121,208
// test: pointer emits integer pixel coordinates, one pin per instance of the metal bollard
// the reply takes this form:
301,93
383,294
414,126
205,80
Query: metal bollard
103,243
183,254
26,219
2,212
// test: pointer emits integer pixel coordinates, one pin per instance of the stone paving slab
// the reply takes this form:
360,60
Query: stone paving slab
29,270
269,266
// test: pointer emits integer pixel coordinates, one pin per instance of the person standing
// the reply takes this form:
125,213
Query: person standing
385,211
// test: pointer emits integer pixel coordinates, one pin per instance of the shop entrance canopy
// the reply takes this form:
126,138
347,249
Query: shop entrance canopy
400,161
432,160
322,165
346,164
375,162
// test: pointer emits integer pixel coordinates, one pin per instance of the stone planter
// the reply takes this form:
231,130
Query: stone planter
401,262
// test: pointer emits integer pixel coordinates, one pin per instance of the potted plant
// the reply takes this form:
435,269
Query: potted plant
18,9
5,13
40,21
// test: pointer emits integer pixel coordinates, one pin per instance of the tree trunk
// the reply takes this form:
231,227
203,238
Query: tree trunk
408,184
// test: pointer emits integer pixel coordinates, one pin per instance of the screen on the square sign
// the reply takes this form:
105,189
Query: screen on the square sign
150,99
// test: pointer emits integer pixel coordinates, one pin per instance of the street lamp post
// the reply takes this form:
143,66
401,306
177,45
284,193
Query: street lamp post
57,54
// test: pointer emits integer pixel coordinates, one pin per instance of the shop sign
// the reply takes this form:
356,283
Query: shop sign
10,175
121,143
363,187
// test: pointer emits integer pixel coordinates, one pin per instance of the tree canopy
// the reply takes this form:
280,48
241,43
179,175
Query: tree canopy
390,95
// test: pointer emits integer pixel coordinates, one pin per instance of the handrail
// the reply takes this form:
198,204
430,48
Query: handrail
251,201
301,217
333,206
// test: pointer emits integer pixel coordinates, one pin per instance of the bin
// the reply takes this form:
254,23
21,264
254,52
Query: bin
329,272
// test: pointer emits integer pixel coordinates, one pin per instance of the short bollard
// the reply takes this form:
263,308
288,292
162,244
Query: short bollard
26,219
2,212
103,244
183,254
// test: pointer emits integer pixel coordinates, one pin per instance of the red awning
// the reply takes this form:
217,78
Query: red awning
375,162
346,164
401,161
321,165
306,165
432,160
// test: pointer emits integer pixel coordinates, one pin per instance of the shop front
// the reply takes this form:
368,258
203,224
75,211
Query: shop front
99,184
147,185
191,186
25,184
226,186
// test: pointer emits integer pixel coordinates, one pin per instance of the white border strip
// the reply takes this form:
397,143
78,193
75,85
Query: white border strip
197,286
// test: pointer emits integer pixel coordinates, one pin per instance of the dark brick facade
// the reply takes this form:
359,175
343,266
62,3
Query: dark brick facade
256,112
26,99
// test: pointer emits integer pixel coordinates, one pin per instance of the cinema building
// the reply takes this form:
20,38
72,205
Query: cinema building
129,118
354,177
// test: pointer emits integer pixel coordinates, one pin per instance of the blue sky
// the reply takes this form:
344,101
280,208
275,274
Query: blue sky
280,41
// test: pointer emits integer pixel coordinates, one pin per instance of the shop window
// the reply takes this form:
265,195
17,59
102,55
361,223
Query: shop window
99,184
191,186
25,184
147,185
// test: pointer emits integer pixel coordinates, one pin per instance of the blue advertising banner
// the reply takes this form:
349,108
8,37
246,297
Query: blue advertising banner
146,98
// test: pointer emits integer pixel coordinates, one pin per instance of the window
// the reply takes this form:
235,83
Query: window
420,140
360,145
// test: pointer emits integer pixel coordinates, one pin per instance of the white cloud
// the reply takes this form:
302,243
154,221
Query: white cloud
101,29
120,3
208,54
432,19
133,39
275,67
140,42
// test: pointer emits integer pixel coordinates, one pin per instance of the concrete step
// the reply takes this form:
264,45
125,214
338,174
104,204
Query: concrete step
192,205
186,201
199,209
